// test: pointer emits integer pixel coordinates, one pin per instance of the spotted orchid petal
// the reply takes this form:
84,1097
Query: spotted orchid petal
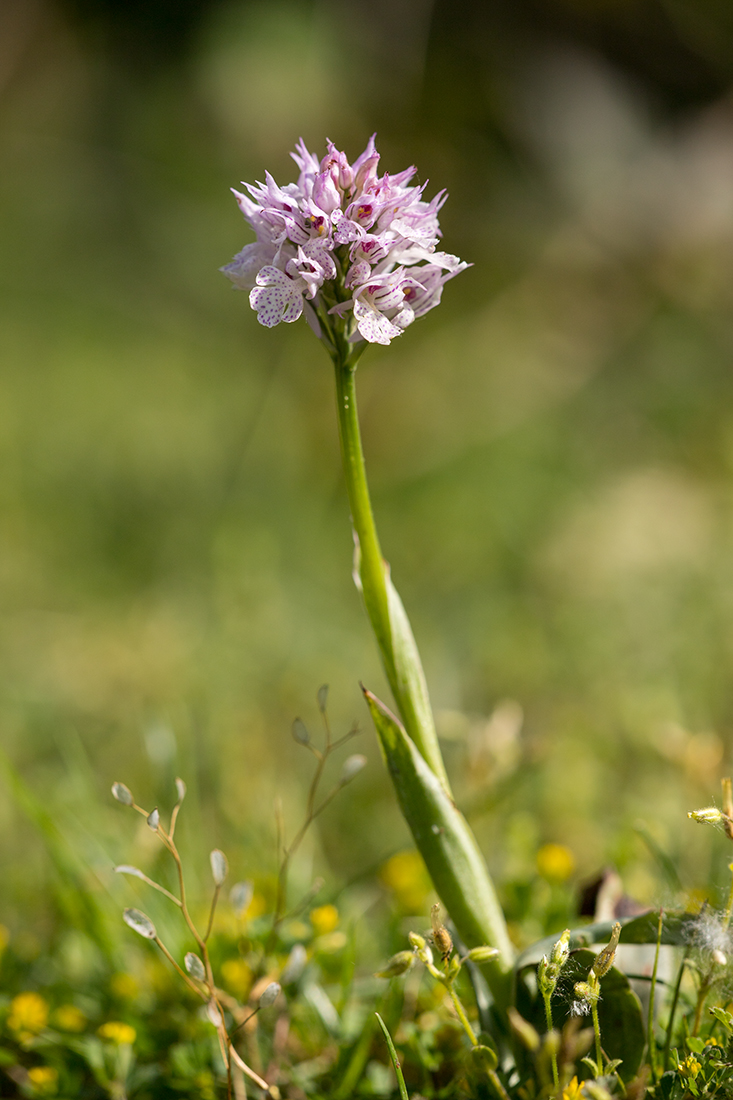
276,298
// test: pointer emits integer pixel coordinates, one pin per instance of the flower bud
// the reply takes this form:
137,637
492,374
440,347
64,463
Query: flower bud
270,995
482,954
398,964
587,993
561,950
604,959
718,957
416,940
710,815
122,793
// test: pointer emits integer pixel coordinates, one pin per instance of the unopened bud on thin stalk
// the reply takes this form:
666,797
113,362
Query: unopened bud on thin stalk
219,866
548,970
351,768
300,732
322,698
604,959
194,966
180,790
123,794
139,923
270,995
398,964
153,820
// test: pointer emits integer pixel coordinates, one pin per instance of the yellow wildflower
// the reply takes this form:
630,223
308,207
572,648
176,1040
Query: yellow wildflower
324,919
69,1018
690,1067
124,986
237,977
405,874
572,1091
114,1031
44,1079
555,862
28,1013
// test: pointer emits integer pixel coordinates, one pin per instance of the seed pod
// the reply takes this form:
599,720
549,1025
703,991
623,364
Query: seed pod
351,768
300,732
194,966
219,866
123,794
270,995
139,923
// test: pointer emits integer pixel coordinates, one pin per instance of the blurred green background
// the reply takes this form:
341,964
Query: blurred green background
551,452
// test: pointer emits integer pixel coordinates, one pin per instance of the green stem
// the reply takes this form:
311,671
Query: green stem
597,1033
462,1016
673,1010
650,1019
371,564
399,654
548,1018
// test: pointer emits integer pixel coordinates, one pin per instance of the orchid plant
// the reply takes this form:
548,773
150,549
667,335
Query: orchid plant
356,253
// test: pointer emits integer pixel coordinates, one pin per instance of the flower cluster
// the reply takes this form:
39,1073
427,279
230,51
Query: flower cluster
343,242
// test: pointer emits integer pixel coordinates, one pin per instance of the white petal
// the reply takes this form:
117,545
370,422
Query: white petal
374,326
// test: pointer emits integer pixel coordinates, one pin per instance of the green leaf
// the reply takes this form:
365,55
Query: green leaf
410,687
676,931
393,1056
447,845
725,1018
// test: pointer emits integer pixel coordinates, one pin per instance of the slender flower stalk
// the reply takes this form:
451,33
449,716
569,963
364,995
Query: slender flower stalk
356,253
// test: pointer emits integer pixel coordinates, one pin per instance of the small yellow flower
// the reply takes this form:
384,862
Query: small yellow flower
324,919
690,1067
28,1013
405,874
256,907
572,1091
44,1079
124,986
237,977
114,1031
69,1018
555,862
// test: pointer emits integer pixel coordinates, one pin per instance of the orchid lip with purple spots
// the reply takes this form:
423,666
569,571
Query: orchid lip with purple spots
345,245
